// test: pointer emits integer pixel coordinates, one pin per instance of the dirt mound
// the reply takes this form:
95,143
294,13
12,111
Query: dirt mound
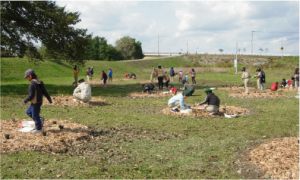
253,93
69,101
278,159
153,94
72,138
198,112
56,137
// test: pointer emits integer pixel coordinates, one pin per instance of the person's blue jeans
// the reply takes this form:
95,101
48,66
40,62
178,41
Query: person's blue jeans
33,111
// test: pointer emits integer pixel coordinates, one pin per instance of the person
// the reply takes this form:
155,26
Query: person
110,75
153,74
189,89
91,72
193,75
177,101
160,77
185,80
172,73
283,83
167,79
245,78
75,74
274,86
36,91
88,74
296,78
83,91
148,88
212,101
132,75
180,76
104,78
261,79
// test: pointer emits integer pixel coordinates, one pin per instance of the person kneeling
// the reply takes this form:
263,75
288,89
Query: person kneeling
177,101
83,91
212,102
148,88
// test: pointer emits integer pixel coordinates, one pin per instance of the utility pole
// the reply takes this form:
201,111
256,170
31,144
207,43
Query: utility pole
236,58
158,44
252,42
187,47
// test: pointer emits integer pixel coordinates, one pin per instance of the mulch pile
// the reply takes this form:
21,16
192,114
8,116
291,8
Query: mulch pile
198,112
278,159
253,93
69,101
153,94
66,137
56,137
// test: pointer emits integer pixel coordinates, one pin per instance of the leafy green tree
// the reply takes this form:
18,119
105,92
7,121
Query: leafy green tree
24,24
129,48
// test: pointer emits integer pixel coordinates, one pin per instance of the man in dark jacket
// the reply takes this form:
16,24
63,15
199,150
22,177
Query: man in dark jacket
148,88
36,91
212,101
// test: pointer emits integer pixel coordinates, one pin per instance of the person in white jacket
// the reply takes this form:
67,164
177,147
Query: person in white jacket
83,91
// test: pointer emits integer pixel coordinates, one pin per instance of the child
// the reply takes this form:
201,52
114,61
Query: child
35,95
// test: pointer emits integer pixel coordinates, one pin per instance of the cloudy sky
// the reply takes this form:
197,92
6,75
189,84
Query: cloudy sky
202,26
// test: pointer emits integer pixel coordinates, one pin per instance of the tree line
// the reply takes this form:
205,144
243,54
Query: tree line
41,29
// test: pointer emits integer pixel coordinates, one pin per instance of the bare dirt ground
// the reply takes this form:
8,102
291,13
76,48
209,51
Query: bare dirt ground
198,112
69,101
274,159
61,136
153,94
239,92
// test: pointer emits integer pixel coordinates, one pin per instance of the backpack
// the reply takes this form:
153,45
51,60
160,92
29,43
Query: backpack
263,77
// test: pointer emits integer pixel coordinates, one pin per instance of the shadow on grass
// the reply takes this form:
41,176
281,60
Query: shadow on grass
110,90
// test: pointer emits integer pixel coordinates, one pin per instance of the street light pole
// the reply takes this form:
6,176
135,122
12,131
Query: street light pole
252,42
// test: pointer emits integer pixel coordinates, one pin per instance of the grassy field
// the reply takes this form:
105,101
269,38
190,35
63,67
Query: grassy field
174,147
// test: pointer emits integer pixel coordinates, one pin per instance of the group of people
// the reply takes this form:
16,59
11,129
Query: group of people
261,80
164,78
90,73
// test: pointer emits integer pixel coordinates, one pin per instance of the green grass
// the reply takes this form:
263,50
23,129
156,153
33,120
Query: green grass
200,147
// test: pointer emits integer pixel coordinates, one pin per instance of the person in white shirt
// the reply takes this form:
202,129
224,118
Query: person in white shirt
83,91
245,78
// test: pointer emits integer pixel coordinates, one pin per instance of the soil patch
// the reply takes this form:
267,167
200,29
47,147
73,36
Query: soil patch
69,101
274,159
66,137
153,94
239,92
198,112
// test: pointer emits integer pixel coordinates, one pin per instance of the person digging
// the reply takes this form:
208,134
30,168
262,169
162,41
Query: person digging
36,91
149,88
211,103
82,92
177,104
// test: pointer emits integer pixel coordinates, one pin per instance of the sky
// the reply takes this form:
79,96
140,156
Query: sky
195,26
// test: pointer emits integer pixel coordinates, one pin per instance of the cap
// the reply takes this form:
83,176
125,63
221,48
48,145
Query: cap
28,72
208,90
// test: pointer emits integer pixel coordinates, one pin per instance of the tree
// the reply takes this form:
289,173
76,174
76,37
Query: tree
221,50
129,48
24,24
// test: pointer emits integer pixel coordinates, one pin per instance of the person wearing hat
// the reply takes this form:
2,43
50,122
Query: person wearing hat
212,101
177,101
245,78
83,91
36,91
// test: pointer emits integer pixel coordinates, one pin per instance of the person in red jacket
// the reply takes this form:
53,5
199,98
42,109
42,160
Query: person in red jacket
274,86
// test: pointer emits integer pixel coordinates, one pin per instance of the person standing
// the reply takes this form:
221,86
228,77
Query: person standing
261,79
36,91
180,76
88,74
193,75
160,77
104,78
172,74
110,75
75,74
245,78
167,79
296,78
